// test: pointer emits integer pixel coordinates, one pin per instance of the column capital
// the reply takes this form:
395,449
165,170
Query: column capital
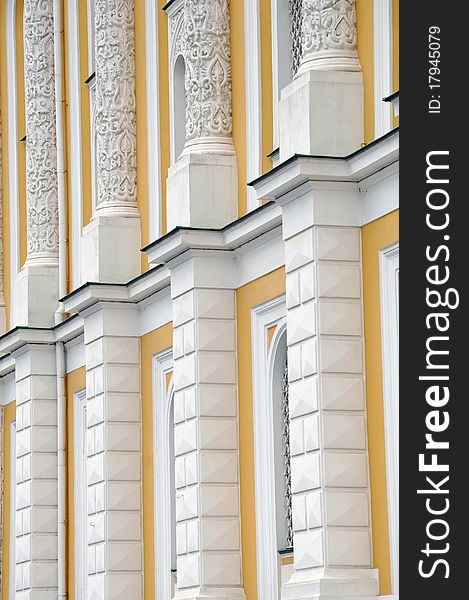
208,76
41,147
328,35
116,124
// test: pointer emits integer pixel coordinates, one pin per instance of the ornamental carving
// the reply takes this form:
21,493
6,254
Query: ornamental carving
115,121
208,69
329,25
41,150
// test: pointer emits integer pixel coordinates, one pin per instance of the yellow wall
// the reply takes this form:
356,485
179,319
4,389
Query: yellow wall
377,235
75,381
21,131
266,76
365,54
4,150
9,416
163,76
239,98
247,296
85,113
151,344
142,150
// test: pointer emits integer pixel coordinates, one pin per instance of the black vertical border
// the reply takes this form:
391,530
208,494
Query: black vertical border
420,133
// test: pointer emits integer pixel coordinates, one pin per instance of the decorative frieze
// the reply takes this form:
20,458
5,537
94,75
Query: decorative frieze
328,35
41,149
208,70
116,130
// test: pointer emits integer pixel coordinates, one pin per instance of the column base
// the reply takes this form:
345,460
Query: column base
329,584
209,593
36,295
111,248
202,190
311,103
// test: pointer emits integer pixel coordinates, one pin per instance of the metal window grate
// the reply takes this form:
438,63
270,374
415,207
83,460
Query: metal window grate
296,12
286,458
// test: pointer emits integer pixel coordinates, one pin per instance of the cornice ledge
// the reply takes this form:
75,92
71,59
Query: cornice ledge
170,248
91,293
301,169
16,338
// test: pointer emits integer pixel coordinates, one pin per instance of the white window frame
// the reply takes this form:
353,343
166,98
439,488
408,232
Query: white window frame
175,14
389,288
162,400
263,317
91,83
276,90
153,119
382,12
76,188
252,58
12,516
80,493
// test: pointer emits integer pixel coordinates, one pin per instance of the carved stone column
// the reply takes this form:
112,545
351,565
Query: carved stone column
202,184
37,283
116,216
321,110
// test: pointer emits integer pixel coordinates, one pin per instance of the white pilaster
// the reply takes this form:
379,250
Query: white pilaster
202,183
328,441
116,222
206,431
113,465
36,286
321,111
36,473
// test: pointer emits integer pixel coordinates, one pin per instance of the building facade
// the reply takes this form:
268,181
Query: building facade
199,276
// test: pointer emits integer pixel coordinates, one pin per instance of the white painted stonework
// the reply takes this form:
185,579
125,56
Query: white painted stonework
202,188
116,215
36,286
205,428
36,473
321,111
113,430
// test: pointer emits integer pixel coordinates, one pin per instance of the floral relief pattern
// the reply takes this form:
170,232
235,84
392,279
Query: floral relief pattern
329,25
116,130
41,151
208,69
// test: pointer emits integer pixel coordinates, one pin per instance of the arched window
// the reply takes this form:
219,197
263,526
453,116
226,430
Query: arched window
281,417
286,49
179,106
271,444
165,487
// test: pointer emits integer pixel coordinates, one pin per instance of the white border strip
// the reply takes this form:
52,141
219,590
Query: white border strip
383,65
262,317
389,273
153,120
12,515
252,58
